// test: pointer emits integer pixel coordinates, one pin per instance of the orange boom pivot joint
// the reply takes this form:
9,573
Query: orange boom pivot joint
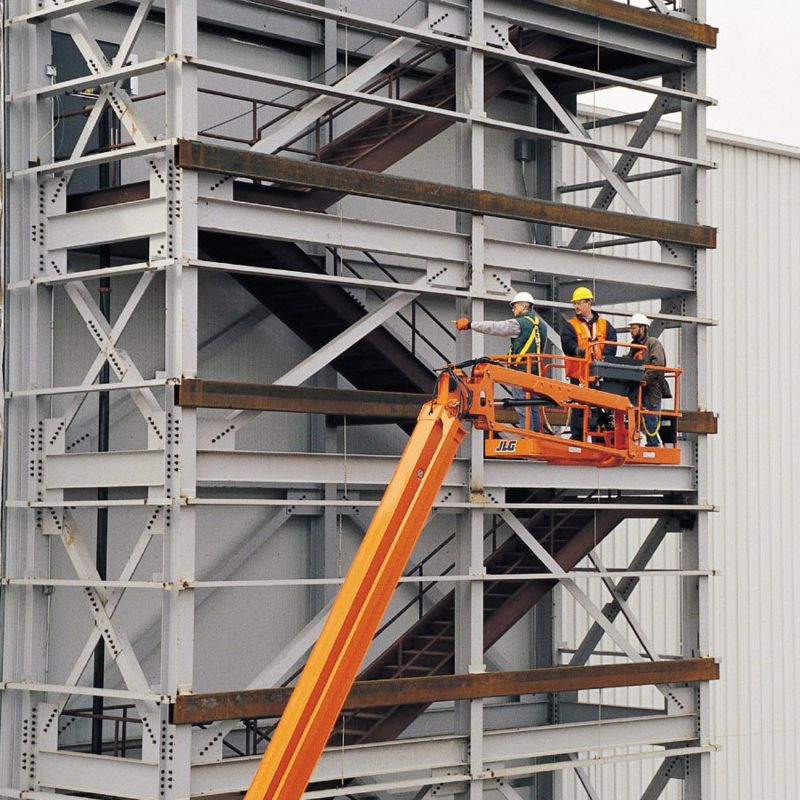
460,396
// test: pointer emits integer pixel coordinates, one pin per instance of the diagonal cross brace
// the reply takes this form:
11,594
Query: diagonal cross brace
660,106
622,603
569,584
116,641
624,588
96,61
573,126
106,337
289,130
114,598
110,94
91,51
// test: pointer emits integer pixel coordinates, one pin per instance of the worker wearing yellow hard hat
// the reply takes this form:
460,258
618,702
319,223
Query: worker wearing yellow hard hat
578,336
528,336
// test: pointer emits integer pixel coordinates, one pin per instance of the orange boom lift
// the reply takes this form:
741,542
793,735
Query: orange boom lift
464,393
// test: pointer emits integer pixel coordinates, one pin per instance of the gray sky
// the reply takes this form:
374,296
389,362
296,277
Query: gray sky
749,73
755,64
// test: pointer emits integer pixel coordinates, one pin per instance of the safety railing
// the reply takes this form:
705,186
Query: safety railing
121,717
646,420
416,307
322,129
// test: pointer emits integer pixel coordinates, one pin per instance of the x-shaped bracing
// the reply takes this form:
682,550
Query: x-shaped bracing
102,603
106,336
110,94
550,563
614,174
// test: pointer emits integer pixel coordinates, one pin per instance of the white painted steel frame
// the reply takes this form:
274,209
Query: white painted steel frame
174,466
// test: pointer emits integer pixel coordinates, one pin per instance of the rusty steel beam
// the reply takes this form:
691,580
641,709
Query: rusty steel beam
392,406
368,407
696,32
265,703
245,163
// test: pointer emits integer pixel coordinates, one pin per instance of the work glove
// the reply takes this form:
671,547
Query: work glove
580,352
462,324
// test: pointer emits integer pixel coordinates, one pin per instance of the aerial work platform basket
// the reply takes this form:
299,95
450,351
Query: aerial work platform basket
608,395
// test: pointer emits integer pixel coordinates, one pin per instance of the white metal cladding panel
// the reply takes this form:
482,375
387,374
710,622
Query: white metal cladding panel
754,200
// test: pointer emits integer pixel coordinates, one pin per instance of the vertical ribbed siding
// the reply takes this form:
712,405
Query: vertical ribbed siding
754,201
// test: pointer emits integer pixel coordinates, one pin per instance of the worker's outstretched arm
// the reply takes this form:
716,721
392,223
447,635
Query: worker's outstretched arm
317,699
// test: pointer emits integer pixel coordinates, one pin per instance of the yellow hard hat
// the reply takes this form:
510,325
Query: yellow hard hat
582,293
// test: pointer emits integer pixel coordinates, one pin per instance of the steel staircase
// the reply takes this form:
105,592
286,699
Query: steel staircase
318,313
391,134
427,647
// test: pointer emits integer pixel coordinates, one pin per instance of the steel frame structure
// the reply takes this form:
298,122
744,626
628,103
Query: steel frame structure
187,462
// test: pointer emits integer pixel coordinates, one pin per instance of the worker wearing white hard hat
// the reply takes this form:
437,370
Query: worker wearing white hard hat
651,352
528,336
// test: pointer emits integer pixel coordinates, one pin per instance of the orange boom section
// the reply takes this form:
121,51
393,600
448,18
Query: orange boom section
314,706
463,392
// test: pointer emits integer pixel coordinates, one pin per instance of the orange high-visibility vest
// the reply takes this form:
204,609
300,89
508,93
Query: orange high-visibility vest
586,333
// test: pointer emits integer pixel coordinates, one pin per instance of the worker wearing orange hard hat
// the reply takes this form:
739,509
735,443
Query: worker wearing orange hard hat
527,337
655,386
578,336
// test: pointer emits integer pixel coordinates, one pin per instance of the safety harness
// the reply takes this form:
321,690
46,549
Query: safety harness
535,337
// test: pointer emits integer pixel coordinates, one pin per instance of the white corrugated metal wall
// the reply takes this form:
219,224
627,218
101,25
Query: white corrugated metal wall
754,201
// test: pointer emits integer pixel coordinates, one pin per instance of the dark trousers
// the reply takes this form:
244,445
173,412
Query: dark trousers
575,417
651,422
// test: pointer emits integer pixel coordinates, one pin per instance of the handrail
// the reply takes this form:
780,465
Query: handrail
386,80
549,364
410,323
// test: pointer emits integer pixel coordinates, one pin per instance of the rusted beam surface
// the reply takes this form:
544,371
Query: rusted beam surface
245,163
269,397
616,11
363,405
264,703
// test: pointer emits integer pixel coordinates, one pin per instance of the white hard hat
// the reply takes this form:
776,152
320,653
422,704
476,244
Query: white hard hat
522,297
640,319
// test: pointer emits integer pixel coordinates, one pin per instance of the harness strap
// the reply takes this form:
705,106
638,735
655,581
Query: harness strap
536,336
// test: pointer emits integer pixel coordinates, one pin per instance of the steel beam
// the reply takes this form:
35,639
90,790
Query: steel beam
352,403
696,32
223,160
449,753
119,223
142,468
262,703
286,224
